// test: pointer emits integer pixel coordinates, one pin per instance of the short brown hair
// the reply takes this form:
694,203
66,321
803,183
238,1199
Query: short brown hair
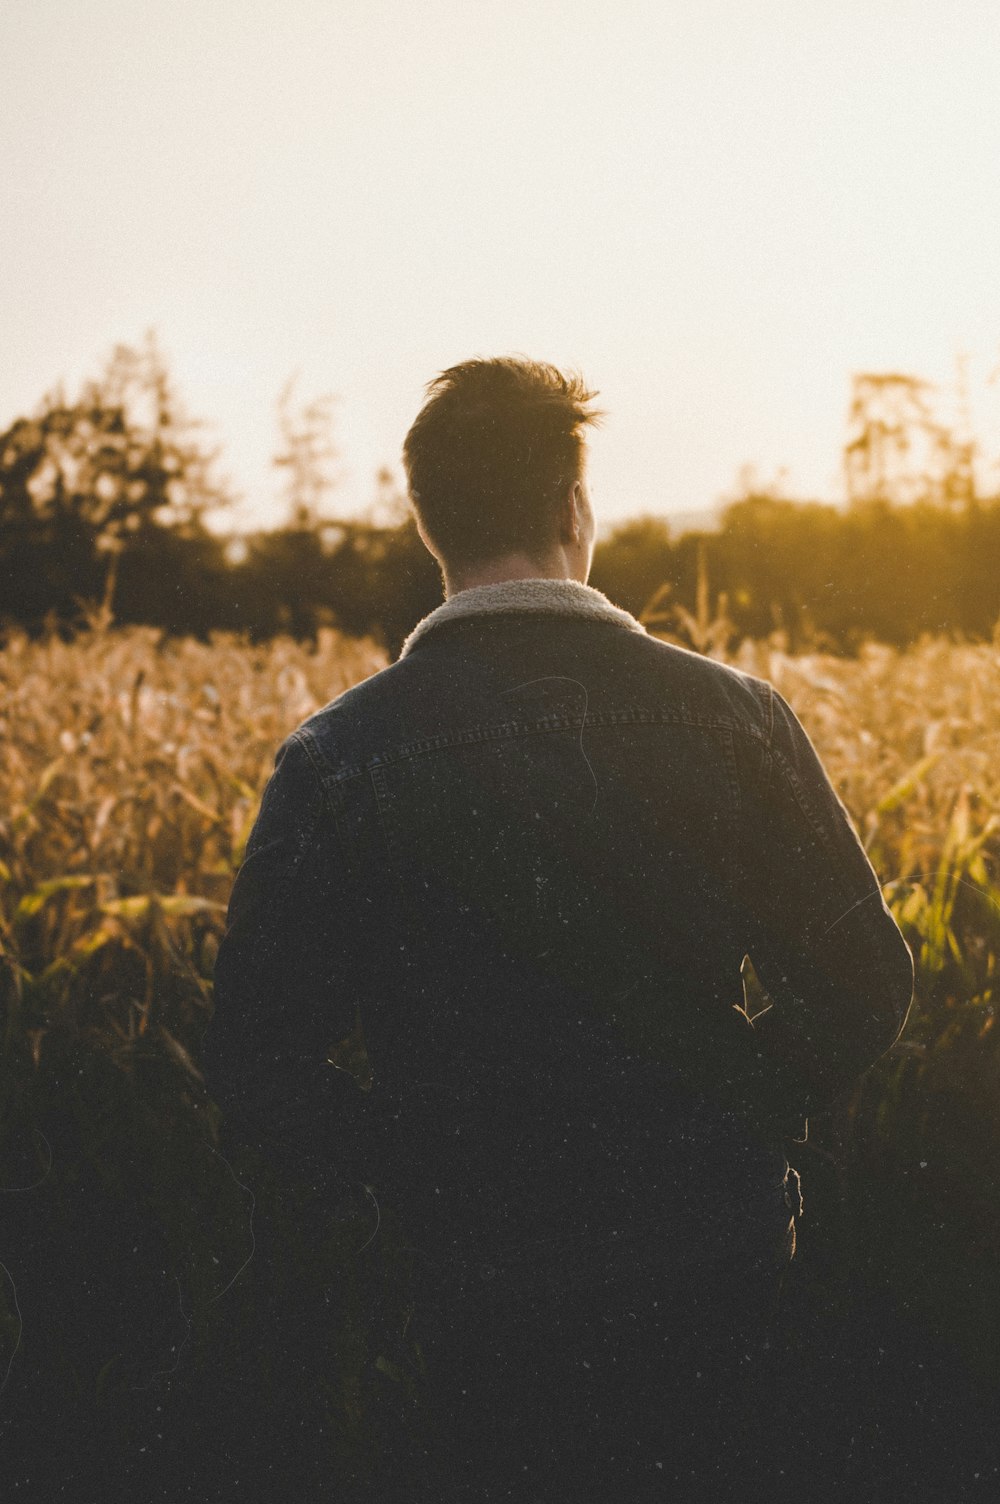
490,453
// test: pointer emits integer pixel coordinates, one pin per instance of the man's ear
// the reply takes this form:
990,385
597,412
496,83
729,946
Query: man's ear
425,538
569,514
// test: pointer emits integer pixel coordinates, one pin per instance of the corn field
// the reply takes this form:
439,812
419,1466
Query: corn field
131,767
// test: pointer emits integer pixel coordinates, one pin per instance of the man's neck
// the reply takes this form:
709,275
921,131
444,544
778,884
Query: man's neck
502,571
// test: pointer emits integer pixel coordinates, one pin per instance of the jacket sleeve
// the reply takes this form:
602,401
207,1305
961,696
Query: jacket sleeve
837,971
283,994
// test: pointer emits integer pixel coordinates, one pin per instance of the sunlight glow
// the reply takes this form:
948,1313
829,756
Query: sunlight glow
719,212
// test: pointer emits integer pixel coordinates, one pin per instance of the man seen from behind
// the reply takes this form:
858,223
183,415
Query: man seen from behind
534,854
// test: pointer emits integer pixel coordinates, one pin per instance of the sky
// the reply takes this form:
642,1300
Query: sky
717,210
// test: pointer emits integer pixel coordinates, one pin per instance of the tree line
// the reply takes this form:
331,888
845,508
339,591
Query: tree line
104,499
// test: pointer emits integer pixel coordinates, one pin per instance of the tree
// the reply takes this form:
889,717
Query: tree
86,481
306,456
634,561
899,451
119,458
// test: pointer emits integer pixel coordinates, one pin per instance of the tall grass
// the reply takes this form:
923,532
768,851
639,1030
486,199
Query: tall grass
131,767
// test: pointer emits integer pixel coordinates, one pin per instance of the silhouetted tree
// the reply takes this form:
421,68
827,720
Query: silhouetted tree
899,450
306,455
91,488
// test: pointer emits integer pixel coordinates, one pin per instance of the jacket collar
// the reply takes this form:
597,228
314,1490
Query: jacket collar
510,597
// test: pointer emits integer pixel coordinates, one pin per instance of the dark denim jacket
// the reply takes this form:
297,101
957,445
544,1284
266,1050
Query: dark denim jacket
533,854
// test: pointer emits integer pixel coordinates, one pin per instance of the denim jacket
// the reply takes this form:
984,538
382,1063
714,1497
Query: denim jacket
531,856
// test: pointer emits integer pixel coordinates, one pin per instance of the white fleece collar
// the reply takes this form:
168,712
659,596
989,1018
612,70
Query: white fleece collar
508,597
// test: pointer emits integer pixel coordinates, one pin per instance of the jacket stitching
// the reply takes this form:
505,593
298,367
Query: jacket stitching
732,775
474,735
810,814
377,777
347,841
330,801
317,762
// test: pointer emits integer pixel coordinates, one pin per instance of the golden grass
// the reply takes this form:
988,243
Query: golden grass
131,768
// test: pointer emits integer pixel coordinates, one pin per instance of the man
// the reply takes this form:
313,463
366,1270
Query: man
533,855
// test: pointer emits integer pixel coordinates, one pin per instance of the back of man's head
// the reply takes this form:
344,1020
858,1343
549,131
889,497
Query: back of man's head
490,455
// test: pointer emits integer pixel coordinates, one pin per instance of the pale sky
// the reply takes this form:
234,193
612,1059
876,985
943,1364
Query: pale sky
718,210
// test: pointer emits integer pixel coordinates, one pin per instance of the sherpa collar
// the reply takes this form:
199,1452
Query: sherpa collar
563,597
